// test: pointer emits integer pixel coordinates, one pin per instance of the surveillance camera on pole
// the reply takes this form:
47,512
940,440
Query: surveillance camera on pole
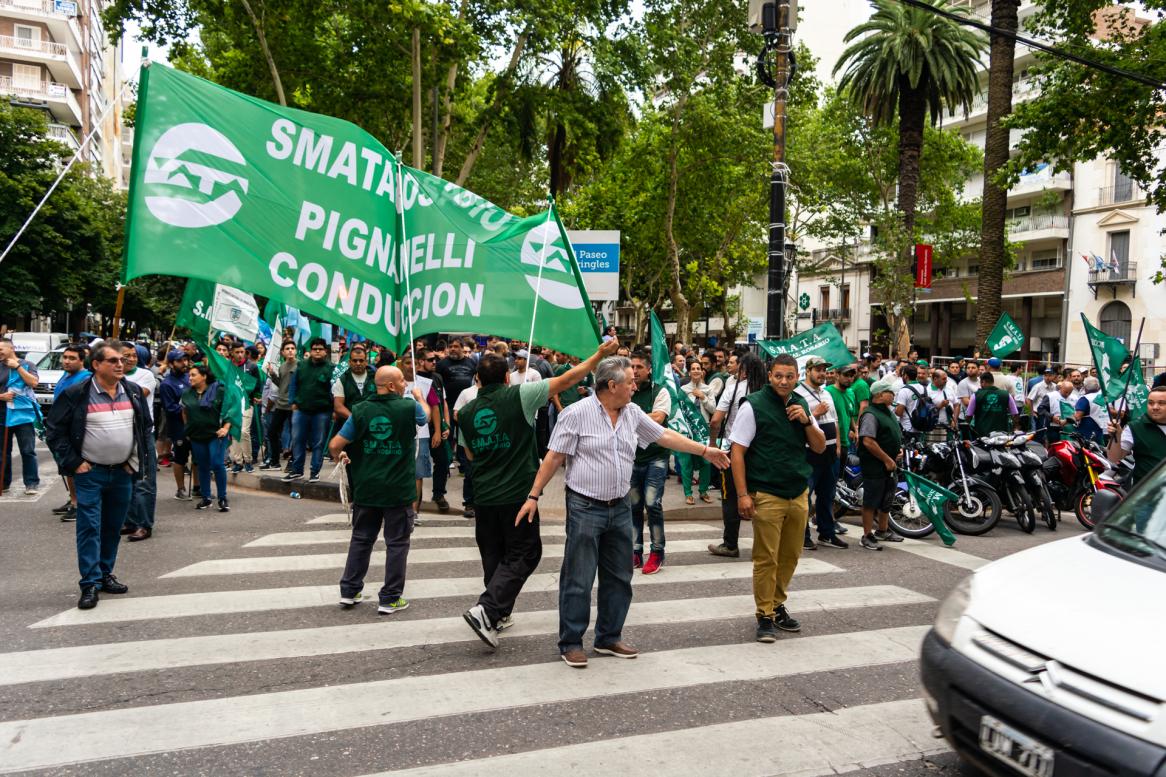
776,20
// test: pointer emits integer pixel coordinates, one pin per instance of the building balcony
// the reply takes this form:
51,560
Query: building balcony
63,134
60,16
1114,276
1040,180
1038,226
61,62
55,97
1123,193
1041,282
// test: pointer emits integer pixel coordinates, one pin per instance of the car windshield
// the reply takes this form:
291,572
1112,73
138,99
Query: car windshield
30,356
1138,525
50,361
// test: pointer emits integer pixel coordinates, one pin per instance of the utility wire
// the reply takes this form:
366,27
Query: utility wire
988,28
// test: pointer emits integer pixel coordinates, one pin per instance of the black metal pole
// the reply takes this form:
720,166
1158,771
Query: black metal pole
779,42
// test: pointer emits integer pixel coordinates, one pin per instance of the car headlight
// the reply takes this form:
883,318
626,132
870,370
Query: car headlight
952,609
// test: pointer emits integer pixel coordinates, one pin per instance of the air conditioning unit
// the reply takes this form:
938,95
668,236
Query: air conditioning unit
763,15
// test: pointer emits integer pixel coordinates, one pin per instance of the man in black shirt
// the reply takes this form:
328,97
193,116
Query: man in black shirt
457,373
426,364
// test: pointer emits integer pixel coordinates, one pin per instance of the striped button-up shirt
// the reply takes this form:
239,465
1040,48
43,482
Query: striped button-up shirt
599,455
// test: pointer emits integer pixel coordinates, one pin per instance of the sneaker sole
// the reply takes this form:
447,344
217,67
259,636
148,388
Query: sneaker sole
574,664
472,622
349,605
767,638
610,652
787,628
390,611
868,547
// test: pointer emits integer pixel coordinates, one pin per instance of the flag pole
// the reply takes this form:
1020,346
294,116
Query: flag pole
538,287
1134,359
401,251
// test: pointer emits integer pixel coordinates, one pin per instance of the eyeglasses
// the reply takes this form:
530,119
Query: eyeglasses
112,360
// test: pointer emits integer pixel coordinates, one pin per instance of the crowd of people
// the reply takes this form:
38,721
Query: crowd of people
507,416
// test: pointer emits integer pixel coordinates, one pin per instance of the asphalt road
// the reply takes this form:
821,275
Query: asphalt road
226,669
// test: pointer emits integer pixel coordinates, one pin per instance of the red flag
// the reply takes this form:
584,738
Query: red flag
923,257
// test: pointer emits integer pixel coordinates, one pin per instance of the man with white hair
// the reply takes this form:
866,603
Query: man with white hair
1092,412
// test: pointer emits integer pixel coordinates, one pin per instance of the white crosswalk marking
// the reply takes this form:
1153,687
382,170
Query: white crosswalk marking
937,552
259,600
234,636
45,743
89,660
244,566
341,536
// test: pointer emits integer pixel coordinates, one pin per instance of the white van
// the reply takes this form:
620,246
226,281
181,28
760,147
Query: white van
1052,661
37,342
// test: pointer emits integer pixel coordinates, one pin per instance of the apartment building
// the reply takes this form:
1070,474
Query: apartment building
56,57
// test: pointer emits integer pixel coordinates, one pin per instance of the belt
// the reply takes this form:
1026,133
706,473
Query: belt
108,466
593,500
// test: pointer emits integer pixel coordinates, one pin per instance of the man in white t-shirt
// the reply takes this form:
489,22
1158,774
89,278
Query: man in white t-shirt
824,465
941,392
522,372
908,396
728,408
1005,383
1145,437
139,524
968,387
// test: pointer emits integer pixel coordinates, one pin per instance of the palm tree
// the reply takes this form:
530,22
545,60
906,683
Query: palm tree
910,63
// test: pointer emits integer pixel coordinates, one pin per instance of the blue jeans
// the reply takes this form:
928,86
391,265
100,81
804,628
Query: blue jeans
103,499
25,437
258,432
211,457
308,430
823,483
145,489
648,488
599,538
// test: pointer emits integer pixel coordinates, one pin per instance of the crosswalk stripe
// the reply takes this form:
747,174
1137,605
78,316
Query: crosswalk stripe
816,745
426,518
937,552
56,741
147,655
261,600
261,564
285,539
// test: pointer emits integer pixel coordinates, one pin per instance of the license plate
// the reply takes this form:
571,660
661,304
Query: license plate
1020,751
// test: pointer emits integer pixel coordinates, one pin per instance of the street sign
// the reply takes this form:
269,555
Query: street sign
804,301
598,254
756,327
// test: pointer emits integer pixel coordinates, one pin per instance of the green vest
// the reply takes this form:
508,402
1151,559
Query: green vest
889,438
383,452
502,443
352,395
1149,447
991,411
776,460
203,422
314,386
644,398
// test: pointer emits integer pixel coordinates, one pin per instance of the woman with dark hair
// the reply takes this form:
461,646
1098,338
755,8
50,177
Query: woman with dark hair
208,432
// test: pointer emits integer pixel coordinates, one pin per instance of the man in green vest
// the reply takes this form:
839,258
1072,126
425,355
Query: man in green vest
377,444
769,441
880,439
497,431
1145,437
650,470
354,385
310,395
992,409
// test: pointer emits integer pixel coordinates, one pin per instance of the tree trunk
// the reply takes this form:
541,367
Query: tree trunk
912,117
275,79
492,111
991,281
442,135
418,140
680,304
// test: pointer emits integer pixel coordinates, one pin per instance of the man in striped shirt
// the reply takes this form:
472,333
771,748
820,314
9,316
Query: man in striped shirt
597,438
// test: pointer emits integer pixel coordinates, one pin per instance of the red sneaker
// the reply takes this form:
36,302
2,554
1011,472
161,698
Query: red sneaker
637,560
654,562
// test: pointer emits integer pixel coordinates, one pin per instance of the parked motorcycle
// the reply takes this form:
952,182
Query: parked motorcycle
1032,456
906,517
1076,469
977,507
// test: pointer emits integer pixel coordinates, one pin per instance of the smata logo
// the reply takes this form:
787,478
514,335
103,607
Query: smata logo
380,428
193,164
554,259
485,422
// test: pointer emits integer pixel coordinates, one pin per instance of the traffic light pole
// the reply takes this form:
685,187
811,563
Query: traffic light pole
779,41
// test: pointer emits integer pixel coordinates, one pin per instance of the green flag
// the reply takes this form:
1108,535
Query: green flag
1006,337
823,340
1119,372
194,312
315,213
208,308
340,368
237,386
685,417
931,497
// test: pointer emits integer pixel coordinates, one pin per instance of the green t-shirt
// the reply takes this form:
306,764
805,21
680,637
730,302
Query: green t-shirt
497,428
861,390
846,406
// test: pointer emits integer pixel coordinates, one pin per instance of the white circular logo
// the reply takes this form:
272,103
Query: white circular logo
544,242
192,164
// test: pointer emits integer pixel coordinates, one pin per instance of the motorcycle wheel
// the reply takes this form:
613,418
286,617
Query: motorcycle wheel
1025,514
1083,506
1048,510
908,520
975,515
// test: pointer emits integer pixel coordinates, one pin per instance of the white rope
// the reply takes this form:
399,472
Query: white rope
64,172
538,288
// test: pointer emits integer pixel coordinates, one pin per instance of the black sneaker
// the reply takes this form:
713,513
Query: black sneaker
468,512
88,598
870,542
203,504
887,536
267,465
293,476
111,585
442,504
66,507
314,478
833,542
839,528
70,515
195,491
724,550
809,544
784,621
223,506
766,631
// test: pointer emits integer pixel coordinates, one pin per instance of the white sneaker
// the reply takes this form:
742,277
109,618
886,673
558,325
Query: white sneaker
504,623
349,601
31,491
476,618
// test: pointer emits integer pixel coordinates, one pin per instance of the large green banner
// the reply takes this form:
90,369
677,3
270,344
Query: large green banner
1118,370
316,213
1006,337
823,340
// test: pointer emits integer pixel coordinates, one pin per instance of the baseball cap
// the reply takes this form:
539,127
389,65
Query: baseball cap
880,386
1049,371
522,354
176,354
816,361
994,362
921,363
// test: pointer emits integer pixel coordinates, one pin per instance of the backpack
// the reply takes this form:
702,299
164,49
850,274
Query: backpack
924,417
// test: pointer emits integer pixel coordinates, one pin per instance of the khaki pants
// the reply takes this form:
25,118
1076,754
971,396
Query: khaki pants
779,526
240,452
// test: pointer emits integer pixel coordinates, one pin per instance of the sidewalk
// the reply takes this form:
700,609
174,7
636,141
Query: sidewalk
550,505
